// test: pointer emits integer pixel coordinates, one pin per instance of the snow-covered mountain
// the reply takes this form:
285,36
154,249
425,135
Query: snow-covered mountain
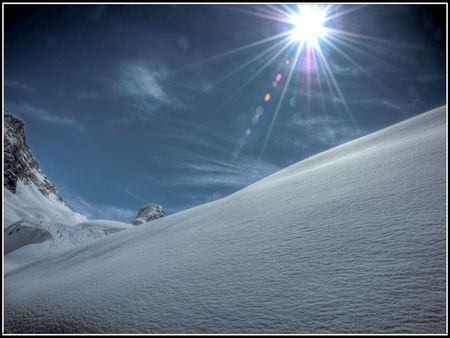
37,222
350,240
29,194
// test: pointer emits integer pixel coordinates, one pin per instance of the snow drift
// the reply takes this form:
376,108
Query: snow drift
351,240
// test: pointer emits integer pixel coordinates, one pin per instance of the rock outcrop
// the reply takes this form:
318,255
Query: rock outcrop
148,213
19,162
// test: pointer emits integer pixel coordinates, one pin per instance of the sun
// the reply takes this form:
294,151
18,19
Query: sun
308,34
308,24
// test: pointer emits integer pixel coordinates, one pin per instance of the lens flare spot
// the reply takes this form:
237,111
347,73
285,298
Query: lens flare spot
278,77
287,61
248,131
267,97
274,83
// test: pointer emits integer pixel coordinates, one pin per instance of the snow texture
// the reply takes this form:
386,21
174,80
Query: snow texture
350,240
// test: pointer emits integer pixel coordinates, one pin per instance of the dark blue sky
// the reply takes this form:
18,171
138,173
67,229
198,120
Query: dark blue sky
126,105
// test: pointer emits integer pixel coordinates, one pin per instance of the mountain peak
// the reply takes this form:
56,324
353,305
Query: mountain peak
20,164
148,213
29,194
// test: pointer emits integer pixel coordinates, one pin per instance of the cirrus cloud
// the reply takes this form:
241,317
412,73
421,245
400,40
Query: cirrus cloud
140,80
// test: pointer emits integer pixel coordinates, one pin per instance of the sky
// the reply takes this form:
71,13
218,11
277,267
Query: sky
180,105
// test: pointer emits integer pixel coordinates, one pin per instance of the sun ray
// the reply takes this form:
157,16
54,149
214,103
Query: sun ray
239,49
246,64
285,11
270,16
336,86
280,101
309,28
249,80
331,88
367,54
361,37
252,60
329,41
288,9
322,98
354,63
342,13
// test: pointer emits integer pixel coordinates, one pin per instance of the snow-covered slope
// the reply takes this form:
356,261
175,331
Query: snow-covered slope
29,194
350,240
26,241
28,203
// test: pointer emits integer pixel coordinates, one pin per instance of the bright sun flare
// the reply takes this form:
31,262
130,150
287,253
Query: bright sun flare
308,24
306,32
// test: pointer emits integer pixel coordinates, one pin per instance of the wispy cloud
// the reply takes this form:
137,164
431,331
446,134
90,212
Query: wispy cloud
201,136
426,78
229,174
221,174
202,179
379,103
99,211
44,115
322,138
314,121
19,85
193,146
142,81
127,191
322,130
352,71
144,89
313,94
332,136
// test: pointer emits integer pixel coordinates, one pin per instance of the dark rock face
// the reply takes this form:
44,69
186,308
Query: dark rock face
148,213
19,163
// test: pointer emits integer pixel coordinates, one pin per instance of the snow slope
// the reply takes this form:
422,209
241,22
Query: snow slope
351,240
28,203
28,192
26,241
